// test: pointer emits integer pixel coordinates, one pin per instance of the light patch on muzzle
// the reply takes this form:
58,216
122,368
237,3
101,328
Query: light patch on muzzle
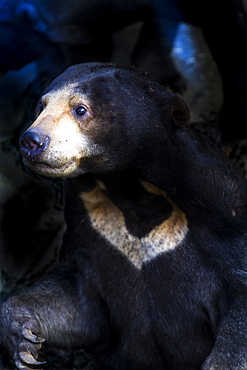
64,147
67,146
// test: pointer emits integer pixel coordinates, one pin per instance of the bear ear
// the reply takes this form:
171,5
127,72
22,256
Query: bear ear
174,107
180,111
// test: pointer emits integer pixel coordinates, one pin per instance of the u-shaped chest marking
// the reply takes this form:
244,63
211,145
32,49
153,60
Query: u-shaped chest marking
110,222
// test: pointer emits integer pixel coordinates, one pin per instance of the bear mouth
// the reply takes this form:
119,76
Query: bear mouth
52,170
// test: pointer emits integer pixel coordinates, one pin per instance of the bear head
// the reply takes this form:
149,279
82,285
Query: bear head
97,117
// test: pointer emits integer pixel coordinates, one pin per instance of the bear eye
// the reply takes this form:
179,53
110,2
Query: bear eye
80,110
39,109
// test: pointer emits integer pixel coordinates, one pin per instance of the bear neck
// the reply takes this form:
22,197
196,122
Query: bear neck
195,174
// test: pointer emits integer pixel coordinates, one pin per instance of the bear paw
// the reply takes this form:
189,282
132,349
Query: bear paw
21,335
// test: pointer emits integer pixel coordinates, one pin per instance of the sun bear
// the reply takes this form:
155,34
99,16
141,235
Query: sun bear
152,271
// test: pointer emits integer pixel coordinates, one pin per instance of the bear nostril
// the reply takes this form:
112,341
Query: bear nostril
29,143
33,142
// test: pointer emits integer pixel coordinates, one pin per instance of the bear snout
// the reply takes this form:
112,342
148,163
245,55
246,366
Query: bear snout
33,144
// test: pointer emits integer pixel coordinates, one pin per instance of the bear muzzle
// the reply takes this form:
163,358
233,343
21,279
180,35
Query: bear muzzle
50,155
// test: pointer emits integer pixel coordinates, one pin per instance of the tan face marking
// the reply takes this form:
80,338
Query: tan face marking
109,221
69,144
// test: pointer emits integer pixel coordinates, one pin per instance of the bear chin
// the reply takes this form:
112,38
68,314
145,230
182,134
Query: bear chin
68,170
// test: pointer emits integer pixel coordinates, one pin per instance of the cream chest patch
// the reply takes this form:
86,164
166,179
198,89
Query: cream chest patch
109,221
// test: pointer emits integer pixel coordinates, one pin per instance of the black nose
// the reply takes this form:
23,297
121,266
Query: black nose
33,143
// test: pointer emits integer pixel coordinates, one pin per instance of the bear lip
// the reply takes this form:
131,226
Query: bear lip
47,168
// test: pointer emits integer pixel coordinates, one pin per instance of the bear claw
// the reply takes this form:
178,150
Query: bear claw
22,364
32,337
28,359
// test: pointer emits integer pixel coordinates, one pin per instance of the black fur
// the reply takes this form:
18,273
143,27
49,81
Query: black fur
182,309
